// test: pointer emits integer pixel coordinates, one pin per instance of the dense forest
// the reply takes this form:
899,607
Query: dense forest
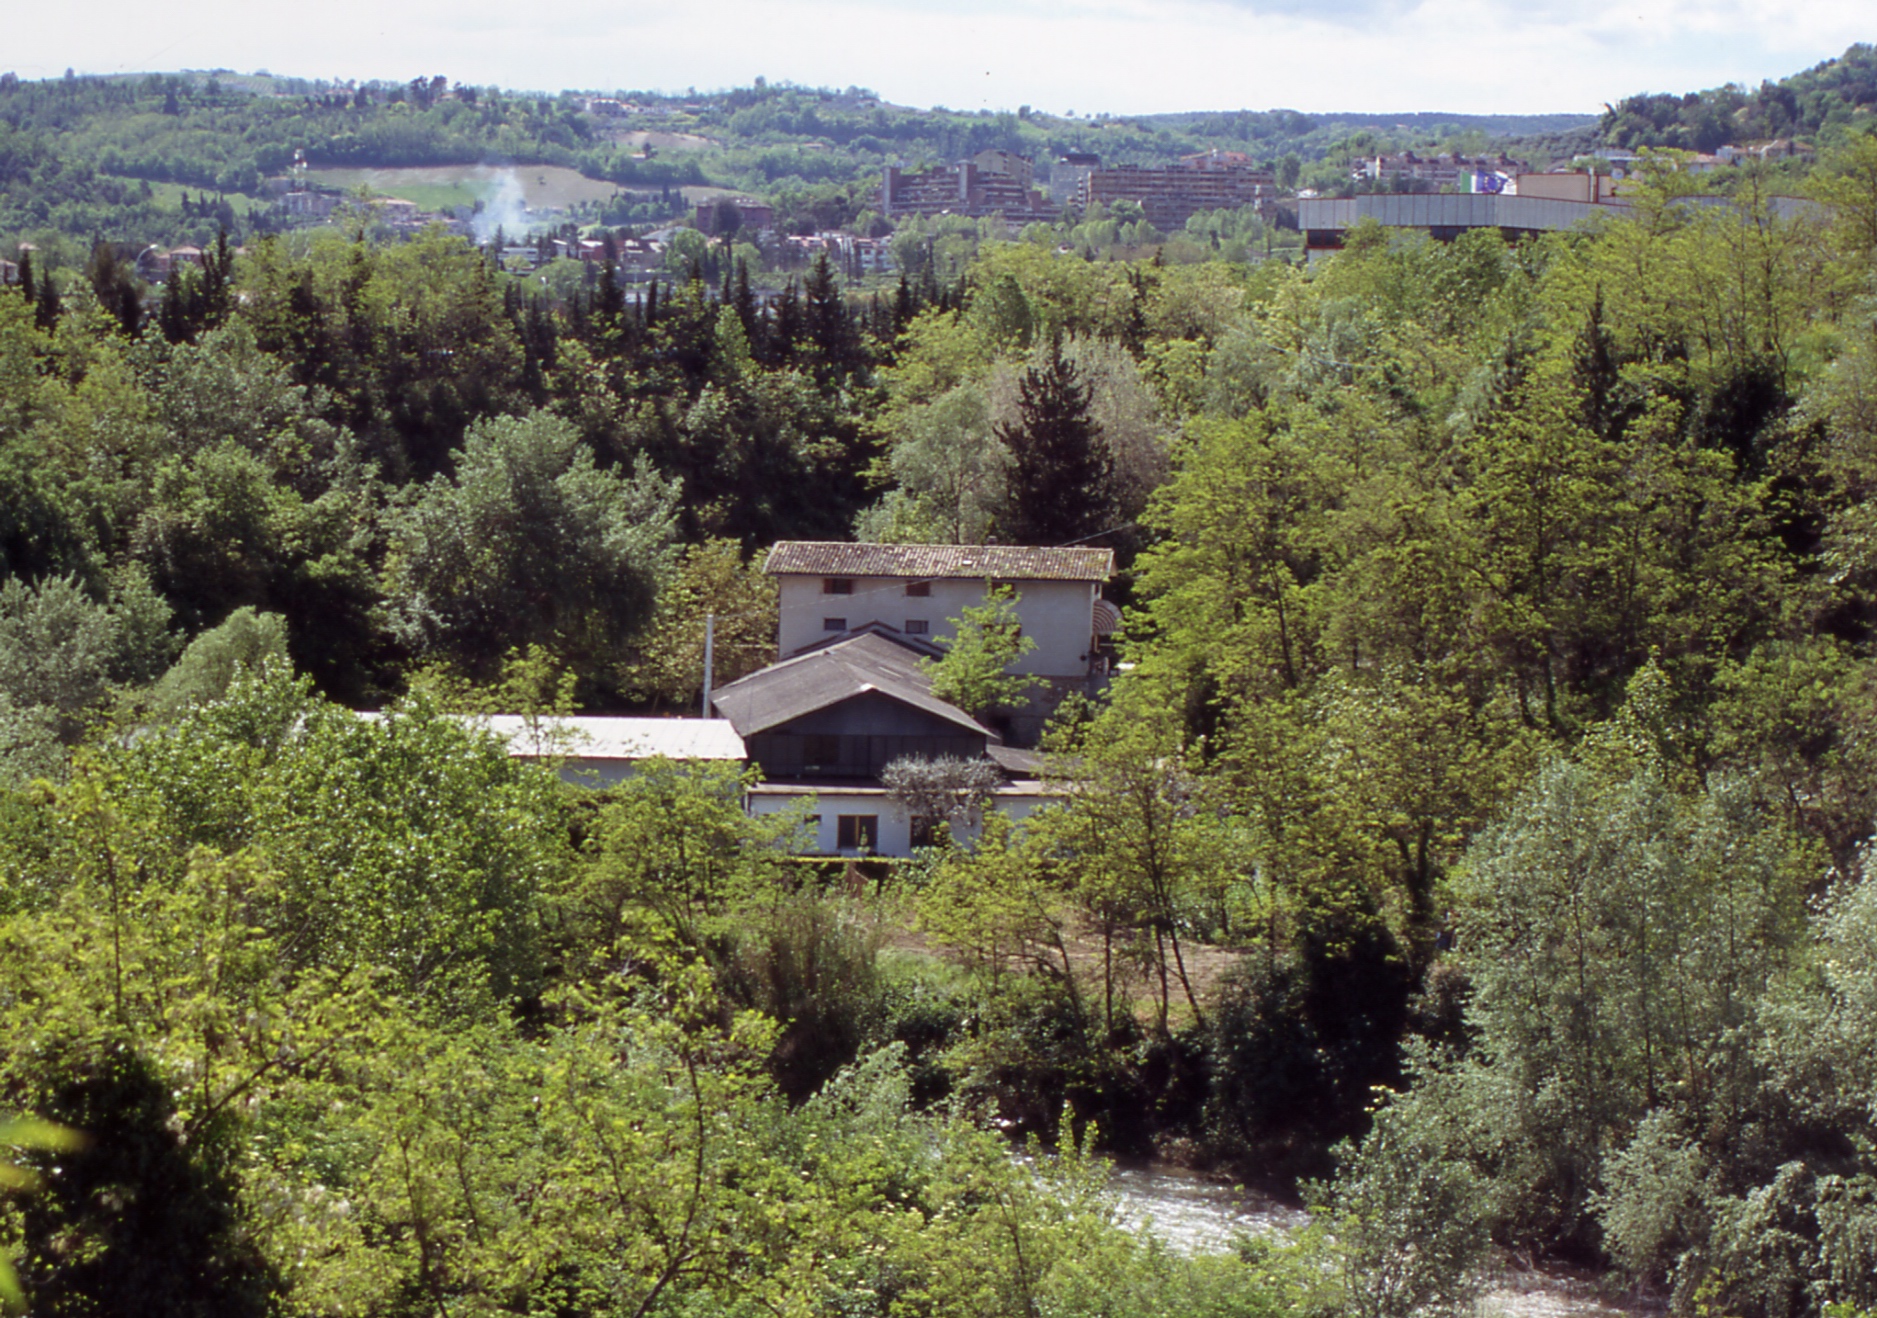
1474,844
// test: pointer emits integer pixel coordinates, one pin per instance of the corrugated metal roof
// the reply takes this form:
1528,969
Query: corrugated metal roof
603,738
813,681
826,558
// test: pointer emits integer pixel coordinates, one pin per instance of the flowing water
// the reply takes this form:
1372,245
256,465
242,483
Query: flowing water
1191,1213
1194,1214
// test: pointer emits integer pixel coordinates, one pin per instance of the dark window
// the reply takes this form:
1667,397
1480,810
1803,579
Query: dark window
820,752
837,586
918,589
916,626
923,832
857,832
811,830
834,624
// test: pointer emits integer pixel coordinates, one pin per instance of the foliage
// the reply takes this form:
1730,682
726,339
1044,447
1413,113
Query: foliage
1058,487
531,543
712,579
1406,1220
243,644
947,790
985,640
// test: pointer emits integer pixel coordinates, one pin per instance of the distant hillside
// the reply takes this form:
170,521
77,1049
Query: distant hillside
175,157
1837,95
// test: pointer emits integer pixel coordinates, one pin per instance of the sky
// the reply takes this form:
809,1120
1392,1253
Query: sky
1058,56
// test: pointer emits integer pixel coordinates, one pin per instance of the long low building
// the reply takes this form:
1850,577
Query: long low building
1445,215
1448,215
600,751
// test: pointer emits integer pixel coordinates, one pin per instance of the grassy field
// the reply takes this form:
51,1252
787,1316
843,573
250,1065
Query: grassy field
168,196
441,187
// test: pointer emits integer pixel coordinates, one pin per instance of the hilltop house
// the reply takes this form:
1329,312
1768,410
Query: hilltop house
830,592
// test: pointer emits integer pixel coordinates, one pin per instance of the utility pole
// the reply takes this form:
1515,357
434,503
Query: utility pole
710,655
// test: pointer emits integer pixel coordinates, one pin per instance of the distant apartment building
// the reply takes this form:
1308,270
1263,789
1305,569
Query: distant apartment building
309,205
1067,174
990,183
853,256
1447,170
1171,194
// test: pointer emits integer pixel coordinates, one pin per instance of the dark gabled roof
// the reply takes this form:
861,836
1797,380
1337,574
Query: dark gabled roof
919,645
802,685
825,558
1014,762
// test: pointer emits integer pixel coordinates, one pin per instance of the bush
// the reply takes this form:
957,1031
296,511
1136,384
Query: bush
812,965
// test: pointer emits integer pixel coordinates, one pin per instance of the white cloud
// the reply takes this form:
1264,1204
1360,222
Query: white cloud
1122,56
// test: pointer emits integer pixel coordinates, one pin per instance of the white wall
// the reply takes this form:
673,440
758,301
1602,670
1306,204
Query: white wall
1058,615
895,826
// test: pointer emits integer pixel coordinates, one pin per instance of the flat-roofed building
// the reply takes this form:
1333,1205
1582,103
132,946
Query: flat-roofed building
1171,194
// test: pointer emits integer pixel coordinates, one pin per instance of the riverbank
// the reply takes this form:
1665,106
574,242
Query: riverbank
1196,1213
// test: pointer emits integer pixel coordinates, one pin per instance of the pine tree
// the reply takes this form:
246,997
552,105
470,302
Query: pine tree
27,290
1060,483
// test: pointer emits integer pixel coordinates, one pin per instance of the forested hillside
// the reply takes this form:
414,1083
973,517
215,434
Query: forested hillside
1473,841
169,157
113,157
1838,94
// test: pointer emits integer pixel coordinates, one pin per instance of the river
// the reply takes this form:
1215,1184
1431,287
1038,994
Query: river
1194,1214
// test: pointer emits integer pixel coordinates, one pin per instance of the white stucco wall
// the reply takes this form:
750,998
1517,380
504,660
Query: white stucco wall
895,826
1058,615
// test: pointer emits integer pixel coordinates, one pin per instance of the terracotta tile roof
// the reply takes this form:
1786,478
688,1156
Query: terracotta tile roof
823,558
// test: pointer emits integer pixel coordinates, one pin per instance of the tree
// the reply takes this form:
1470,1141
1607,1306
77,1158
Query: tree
1620,927
243,644
712,579
1058,490
1409,1234
530,542
118,289
946,791
948,469
1143,838
677,845
60,649
973,673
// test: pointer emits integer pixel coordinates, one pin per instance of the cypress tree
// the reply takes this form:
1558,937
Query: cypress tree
609,304
47,308
788,328
744,300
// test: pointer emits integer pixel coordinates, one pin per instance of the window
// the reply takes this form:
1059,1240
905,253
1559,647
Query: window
857,832
820,752
834,624
837,585
811,831
924,833
916,626
918,589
